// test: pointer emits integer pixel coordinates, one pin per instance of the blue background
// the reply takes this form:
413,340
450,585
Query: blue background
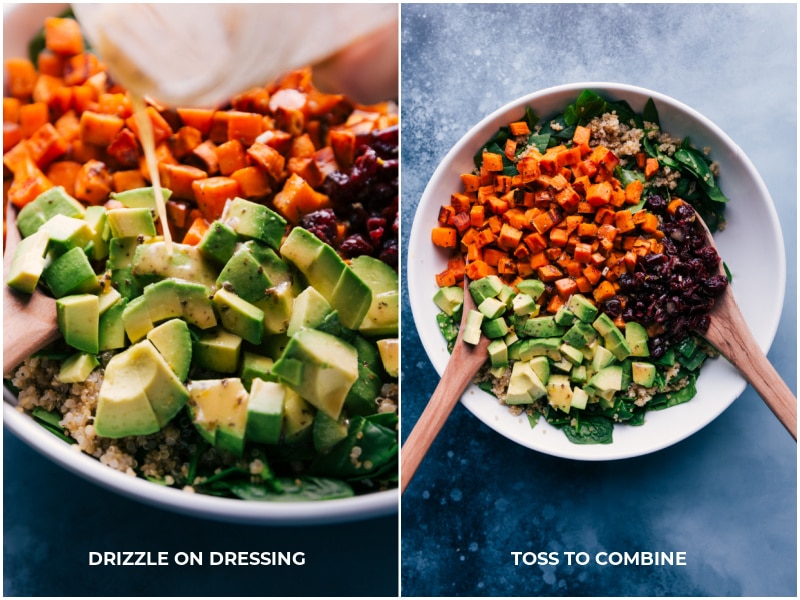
727,495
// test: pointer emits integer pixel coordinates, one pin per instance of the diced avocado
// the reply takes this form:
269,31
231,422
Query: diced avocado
298,417
485,287
580,335
559,392
607,378
123,408
602,358
71,273
352,298
97,220
163,300
361,397
198,309
255,221
219,242
144,197
492,308
498,353
548,347
131,222
239,316
582,308
45,206
111,334
389,350
151,262
28,263
136,319
542,327
495,328
541,366
637,338
309,310
121,252
219,407
523,304
563,364
579,398
216,349
524,385
579,374
173,340
603,324
139,370
572,354
506,294
643,373
472,327
533,287
327,431
449,299
564,316
78,318
255,366
383,315
329,275
67,233
107,297
77,367
244,275
277,307
616,344
273,346
320,367
265,411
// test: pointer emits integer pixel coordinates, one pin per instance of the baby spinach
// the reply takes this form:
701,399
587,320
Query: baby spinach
593,429
300,489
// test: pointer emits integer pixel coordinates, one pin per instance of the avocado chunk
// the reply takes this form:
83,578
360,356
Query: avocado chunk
244,275
71,273
382,318
265,411
111,332
255,366
151,262
277,308
582,308
485,287
636,337
643,373
239,316
77,367
298,418
139,395
67,233
309,310
28,263
542,327
198,309
608,379
44,207
524,386
533,287
174,342
449,299
217,350
163,300
320,367
136,319
131,222
559,392
144,197
472,327
219,242
389,349
97,221
78,318
255,221
219,408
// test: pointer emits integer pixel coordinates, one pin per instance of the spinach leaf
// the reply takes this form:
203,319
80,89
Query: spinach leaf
300,489
530,118
449,328
587,106
591,429
650,112
540,141
50,421
367,448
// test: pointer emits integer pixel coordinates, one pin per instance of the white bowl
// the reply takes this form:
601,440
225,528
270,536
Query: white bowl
751,245
20,23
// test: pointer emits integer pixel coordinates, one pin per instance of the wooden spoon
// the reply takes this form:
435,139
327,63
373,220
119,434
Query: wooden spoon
464,363
731,336
29,320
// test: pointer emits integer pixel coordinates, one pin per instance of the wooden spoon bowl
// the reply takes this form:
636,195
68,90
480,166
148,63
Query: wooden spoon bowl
29,320
730,335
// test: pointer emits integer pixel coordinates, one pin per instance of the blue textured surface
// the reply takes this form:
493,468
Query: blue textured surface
727,495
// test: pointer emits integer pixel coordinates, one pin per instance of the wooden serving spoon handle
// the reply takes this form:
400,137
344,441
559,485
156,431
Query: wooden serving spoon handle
29,320
465,362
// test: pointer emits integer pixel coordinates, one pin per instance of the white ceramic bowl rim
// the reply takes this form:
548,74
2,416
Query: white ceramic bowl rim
685,121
